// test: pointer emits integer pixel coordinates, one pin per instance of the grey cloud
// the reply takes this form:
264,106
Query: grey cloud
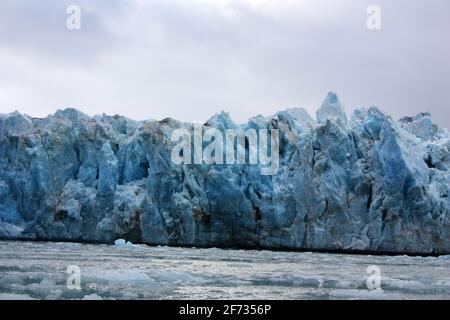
191,59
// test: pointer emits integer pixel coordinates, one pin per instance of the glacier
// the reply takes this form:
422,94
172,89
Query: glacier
366,183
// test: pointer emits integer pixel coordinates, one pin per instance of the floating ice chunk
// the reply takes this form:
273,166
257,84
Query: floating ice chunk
121,243
54,294
178,277
92,297
403,285
356,294
13,296
118,276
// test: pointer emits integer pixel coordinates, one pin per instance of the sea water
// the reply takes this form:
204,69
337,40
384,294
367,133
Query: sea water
42,270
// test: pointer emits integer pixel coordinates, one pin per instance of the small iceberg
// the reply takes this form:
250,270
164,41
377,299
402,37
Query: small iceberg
121,243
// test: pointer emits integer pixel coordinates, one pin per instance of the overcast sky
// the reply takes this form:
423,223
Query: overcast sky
189,59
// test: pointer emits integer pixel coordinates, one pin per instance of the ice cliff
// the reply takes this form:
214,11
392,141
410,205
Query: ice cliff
367,183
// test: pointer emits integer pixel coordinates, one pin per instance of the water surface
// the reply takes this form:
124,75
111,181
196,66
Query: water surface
38,270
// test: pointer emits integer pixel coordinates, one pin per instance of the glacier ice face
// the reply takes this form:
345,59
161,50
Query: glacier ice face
365,184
